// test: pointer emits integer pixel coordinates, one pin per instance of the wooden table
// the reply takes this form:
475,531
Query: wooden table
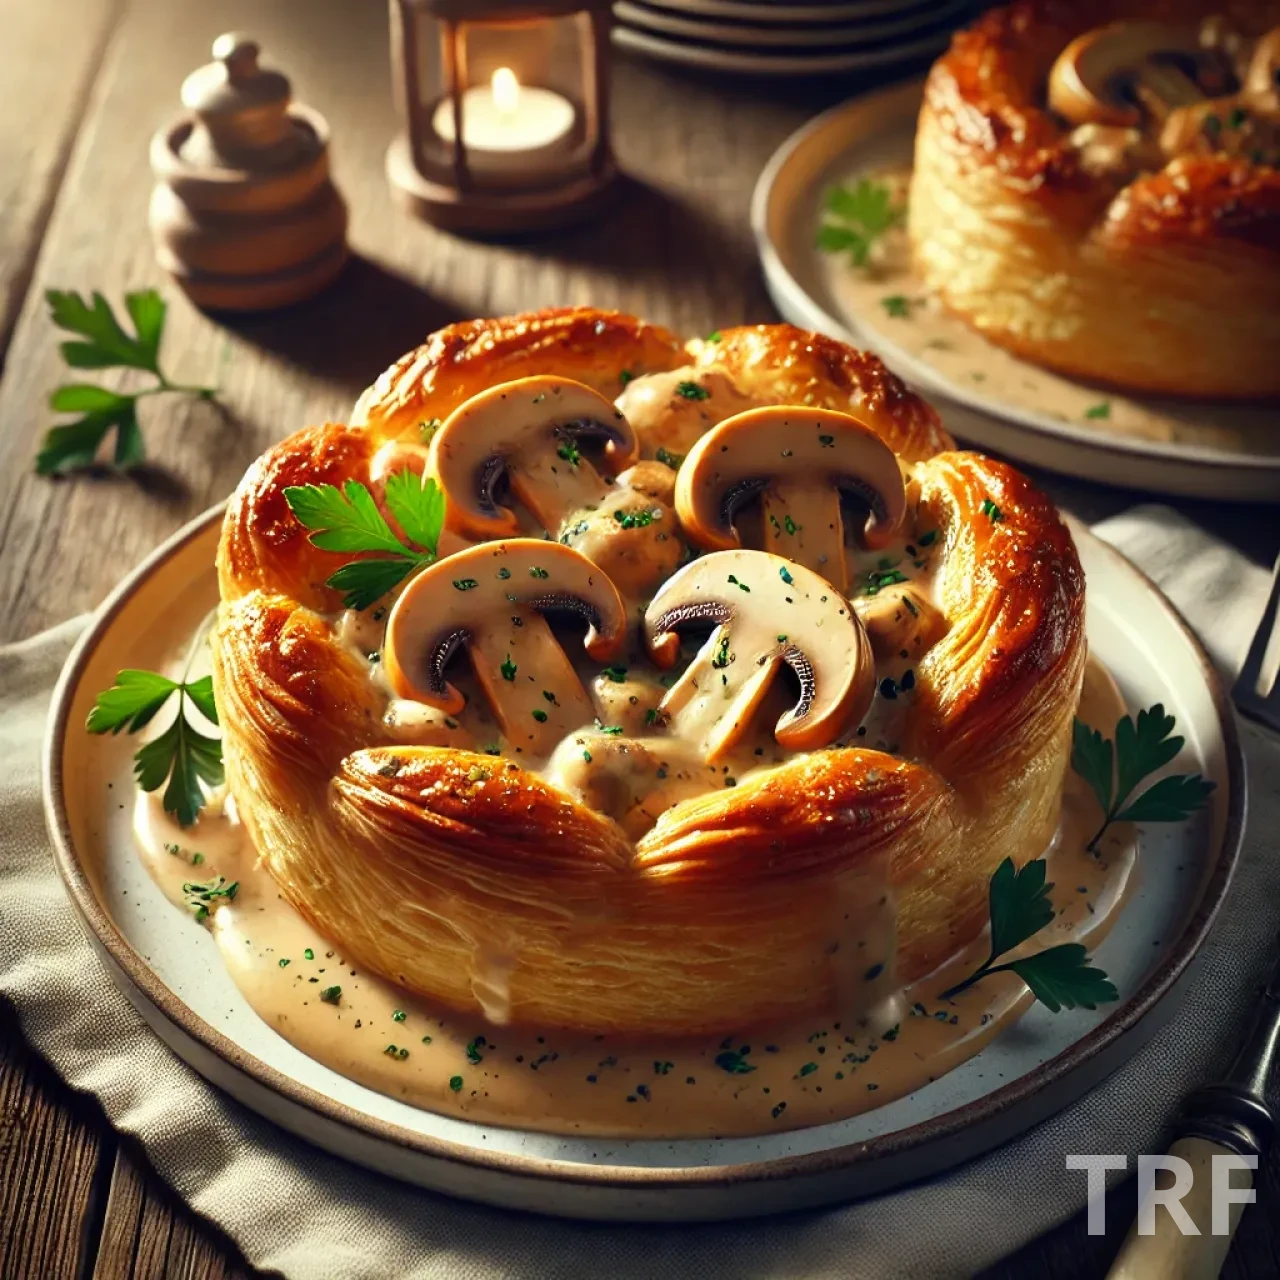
85,84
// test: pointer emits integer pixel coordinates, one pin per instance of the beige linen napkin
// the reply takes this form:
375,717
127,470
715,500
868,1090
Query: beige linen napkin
291,1207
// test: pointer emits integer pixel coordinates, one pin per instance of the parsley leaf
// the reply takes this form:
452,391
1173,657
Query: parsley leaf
104,344
348,520
1059,977
855,218
1113,771
183,756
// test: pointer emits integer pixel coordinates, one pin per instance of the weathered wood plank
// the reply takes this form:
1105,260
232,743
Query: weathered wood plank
53,1146
47,66
676,248
149,1235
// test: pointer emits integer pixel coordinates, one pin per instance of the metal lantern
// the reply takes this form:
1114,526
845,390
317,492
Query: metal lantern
505,111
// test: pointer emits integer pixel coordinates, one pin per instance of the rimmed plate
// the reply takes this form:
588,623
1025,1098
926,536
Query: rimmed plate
875,133
782,11
171,972
831,36
713,57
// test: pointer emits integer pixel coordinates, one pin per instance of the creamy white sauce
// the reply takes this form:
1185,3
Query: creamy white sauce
756,1080
922,328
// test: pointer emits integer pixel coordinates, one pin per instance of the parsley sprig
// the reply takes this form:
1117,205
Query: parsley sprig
348,520
182,754
1113,770
854,218
103,344
1059,977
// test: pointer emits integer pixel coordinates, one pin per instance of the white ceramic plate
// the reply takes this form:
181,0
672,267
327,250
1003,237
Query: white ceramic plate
771,35
743,62
875,133
171,971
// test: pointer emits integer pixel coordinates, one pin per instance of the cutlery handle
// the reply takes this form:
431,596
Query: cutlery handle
1167,1254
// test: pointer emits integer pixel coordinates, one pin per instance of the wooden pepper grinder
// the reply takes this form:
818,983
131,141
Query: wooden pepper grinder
244,213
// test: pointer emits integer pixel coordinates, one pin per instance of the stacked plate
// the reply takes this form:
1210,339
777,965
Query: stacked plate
786,38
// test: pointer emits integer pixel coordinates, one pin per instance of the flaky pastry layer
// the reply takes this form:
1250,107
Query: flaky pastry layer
476,883
1169,283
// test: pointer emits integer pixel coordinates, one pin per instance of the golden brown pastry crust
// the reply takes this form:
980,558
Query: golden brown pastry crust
475,882
1169,283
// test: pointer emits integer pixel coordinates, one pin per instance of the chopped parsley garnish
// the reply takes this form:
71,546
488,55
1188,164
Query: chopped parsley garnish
331,995
284,964
455,1083
184,757
309,954
616,674
1100,410
201,897
692,391
785,574
928,539
878,579
714,336
570,453
897,305
625,376
672,460
348,520
1114,769
827,442
539,715
393,1052
854,218
734,1061
428,429
634,519
721,656
508,669
789,524
991,511
473,1050
1237,117
808,1069
399,1015
613,729
536,572
504,573
651,716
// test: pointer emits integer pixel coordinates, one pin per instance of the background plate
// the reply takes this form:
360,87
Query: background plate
742,62
897,27
170,970
782,11
875,132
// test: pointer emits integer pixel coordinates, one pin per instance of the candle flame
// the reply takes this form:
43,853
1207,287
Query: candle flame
506,90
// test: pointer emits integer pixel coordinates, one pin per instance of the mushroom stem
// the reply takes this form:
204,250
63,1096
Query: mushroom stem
550,486
803,523
712,703
518,662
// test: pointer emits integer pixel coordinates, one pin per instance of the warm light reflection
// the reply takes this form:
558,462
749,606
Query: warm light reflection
506,91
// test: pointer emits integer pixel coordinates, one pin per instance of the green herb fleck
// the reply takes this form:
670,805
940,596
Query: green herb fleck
991,511
855,218
1100,410
536,572
734,1061
672,460
785,575
455,1083
897,305
692,391
570,453
331,995
508,669
539,715
616,674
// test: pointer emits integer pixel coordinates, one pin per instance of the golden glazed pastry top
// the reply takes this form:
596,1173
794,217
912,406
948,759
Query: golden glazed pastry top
1096,187
761,678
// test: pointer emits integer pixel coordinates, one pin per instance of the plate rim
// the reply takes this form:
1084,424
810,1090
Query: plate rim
777,273
127,961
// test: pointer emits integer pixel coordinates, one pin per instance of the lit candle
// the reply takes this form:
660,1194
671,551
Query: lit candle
506,124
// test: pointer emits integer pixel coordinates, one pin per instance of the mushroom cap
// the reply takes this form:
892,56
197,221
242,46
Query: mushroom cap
470,450
1085,76
745,453
451,600
775,608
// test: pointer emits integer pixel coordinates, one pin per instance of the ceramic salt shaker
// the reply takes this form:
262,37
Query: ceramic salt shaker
244,213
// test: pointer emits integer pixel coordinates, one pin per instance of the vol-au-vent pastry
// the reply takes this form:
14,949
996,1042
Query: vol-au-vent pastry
731,685
1097,188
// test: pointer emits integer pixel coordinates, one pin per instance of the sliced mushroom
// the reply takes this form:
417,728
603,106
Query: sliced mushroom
491,599
901,623
766,611
1111,74
528,430
798,461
